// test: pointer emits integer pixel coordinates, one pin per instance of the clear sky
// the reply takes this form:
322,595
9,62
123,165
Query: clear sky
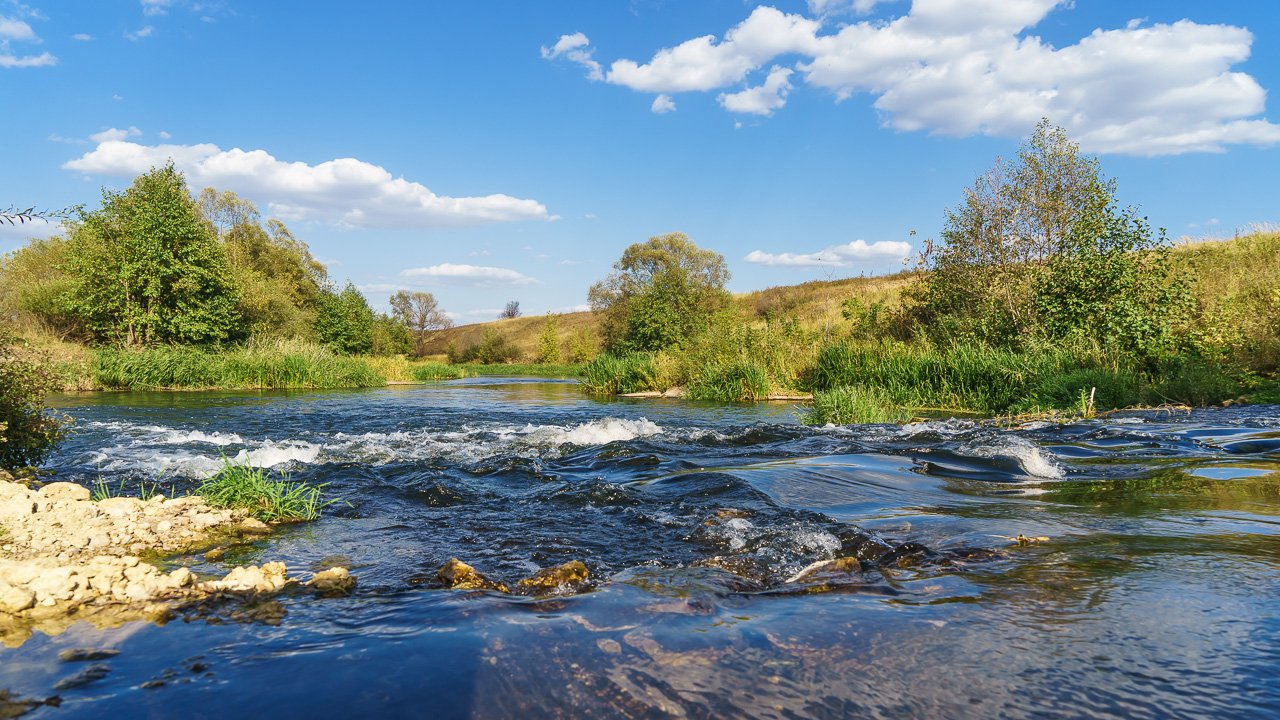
489,151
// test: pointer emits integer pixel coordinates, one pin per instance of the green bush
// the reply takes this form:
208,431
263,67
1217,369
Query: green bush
27,432
493,348
345,322
1191,382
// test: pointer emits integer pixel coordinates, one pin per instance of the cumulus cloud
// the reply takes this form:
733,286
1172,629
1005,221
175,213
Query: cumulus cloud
462,274
704,64
14,30
976,68
347,191
836,7
834,256
663,104
763,99
575,48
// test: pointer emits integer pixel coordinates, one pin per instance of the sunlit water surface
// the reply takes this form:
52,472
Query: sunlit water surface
1157,593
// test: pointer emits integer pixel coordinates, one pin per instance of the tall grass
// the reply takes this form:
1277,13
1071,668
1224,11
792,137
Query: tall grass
437,371
248,488
850,404
552,370
617,375
735,381
283,364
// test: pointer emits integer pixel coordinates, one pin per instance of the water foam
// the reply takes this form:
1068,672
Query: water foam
1034,460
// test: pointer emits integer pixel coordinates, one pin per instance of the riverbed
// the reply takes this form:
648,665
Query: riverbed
1146,582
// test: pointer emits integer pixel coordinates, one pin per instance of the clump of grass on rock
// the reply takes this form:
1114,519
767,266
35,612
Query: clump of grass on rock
253,490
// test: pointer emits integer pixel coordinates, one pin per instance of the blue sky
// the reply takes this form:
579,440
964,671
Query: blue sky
495,151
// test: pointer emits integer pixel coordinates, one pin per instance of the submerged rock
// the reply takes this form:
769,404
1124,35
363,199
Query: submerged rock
458,575
566,579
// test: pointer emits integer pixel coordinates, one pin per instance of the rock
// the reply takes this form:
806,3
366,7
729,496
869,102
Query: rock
333,582
215,554
65,491
254,526
270,577
71,655
14,600
458,575
559,580
91,674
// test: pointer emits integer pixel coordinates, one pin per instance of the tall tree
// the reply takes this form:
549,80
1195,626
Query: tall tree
660,292
345,321
421,313
147,269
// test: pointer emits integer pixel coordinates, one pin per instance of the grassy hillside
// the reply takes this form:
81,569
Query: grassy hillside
1237,290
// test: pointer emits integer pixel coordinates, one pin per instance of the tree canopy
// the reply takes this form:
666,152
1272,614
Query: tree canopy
421,314
659,294
147,269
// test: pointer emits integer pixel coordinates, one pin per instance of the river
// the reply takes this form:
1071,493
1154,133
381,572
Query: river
1155,591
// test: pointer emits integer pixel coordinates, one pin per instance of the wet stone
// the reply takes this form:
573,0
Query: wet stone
71,655
458,575
89,675
566,579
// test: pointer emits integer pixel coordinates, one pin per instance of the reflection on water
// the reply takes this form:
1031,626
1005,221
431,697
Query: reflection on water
1154,594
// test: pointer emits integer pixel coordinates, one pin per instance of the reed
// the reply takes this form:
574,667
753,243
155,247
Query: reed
423,372
617,375
284,364
850,404
733,381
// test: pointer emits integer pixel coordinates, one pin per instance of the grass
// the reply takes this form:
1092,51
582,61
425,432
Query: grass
733,381
562,370
260,365
437,371
853,404
248,488
103,490
618,375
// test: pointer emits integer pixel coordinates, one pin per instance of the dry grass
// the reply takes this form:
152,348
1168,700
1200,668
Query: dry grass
523,332
1237,291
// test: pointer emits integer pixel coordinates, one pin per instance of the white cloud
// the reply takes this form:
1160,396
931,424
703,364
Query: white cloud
763,99
117,97
14,29
44,59
663,104
347,191
139,34
575,48
155,7
704,64
37,228
164,135
115,134
836,7
975,68
82,37
477,275
834,256
54,137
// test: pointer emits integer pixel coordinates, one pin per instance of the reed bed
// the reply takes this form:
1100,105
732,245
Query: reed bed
285,365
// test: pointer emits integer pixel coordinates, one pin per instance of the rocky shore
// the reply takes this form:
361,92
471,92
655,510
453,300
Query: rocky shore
65,557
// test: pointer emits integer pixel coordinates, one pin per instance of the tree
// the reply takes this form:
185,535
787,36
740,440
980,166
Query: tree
549,341
390,336
27,433
421,314
511,311
660,293
1039,247
345,321
147,269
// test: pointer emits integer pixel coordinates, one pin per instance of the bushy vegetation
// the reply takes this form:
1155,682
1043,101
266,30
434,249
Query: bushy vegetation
283,364
27,431
494,347
248,488
659,294
1043,294
437,371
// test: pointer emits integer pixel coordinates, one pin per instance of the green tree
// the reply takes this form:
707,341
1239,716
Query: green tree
390,336
660,293
549,340
34,285
146,268
1040,248
345,321
27,432
421,314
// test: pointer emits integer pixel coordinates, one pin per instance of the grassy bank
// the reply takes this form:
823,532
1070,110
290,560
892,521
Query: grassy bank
286,365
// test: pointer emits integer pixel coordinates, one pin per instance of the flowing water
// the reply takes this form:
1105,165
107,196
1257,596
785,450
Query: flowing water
1155,594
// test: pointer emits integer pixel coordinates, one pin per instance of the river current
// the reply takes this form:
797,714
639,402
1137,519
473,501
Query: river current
1149,584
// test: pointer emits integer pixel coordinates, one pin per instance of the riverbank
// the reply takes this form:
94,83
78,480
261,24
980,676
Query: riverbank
67,558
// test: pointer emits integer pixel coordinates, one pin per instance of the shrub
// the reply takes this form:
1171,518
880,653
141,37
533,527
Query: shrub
737,381
27,433
617,375
345,321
